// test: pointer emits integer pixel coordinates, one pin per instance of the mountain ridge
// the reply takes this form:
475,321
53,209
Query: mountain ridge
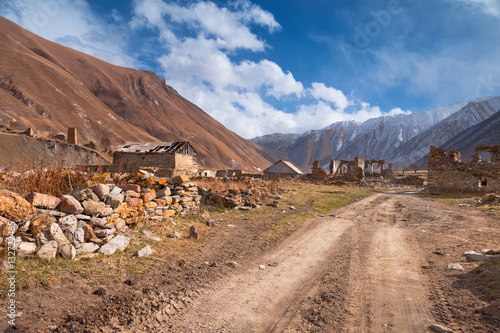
49,87
393,138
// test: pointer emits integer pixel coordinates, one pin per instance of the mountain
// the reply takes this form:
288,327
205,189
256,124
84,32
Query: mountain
486,133
407,155
401,139
49,87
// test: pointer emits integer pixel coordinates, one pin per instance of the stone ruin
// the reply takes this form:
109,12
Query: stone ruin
447,172
360,168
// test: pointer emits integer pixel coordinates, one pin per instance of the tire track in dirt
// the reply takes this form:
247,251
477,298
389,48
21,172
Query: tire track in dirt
381,287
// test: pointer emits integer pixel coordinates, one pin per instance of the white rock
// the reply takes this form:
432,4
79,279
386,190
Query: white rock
103,233
64,246
144,252
119,243
87,248
48,251
68,222
455,266
262,267
25,249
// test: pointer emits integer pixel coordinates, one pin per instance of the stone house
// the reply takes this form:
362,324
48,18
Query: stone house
447,172
282,169
173,158
360,168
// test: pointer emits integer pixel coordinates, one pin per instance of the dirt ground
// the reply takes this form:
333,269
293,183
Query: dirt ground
376,265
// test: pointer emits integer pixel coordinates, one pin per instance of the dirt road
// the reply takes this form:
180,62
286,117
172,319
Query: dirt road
378,285
376,265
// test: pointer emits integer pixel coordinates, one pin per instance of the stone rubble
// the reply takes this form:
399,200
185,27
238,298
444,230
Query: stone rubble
93,218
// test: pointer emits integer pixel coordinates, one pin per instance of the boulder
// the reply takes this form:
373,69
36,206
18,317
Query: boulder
44,201
114,200
116,190
88,232
64,247
75,236
119,223
148,196
475,257
68,222
165,192
130,187
25,249
180,179
14,207
135,202
43,237
93,208
101,190
81,193
103,233
144,252
48,251
69,205
119,243
133,194
87,248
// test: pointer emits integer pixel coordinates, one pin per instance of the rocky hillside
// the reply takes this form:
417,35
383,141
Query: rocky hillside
49,87
402,139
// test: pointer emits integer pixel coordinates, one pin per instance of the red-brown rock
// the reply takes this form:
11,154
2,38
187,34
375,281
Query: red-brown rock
44,201
135,202
130,187
69,205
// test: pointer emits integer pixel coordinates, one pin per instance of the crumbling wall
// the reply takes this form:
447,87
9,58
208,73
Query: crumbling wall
447,172
177,163
359,168
23,152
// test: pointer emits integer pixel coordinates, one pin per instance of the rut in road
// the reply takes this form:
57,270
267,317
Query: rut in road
380,289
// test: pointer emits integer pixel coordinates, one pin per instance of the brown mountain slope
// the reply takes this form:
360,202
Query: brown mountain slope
47,86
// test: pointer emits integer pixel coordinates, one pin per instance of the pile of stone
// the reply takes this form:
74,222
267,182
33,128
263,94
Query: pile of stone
254,196
92,218
490,199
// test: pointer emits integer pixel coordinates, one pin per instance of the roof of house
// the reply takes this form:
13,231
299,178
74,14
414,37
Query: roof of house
153,147
288,164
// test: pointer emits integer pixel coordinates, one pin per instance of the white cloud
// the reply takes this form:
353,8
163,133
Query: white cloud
329,94
71,23
200,42
490,7
201,68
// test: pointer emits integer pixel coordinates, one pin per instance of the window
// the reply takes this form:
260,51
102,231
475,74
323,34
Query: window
483,182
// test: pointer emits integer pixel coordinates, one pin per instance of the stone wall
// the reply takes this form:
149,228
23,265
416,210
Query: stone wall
178,163
357,169
22,152
447,172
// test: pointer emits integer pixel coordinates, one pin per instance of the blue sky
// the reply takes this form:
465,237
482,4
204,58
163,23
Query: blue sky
267,66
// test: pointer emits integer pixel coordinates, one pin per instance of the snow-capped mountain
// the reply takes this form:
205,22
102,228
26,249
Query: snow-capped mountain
401,139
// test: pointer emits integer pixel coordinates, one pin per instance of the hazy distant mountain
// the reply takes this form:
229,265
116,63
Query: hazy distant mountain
49,87
401,139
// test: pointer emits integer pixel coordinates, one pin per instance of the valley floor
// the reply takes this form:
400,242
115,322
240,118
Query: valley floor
378,264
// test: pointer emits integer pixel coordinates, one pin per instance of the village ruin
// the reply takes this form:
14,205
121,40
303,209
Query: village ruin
172,158
359,168
447,172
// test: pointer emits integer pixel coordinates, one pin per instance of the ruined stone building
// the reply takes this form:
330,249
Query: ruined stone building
359,168
447,172
282,169
175,157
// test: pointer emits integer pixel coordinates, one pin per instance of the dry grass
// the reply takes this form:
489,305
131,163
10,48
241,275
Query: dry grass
488,279
275,223
217,184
